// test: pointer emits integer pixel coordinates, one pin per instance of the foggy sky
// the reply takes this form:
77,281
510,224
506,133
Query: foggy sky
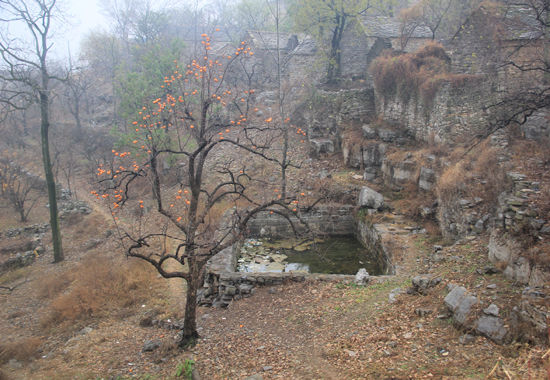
83,16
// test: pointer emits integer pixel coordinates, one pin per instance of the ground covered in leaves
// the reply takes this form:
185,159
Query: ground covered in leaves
310,330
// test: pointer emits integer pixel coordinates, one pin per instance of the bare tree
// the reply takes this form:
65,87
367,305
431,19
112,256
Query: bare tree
26,73
77,85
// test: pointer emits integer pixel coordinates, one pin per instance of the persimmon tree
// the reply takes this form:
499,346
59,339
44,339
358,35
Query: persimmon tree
195,155
16,187
26,80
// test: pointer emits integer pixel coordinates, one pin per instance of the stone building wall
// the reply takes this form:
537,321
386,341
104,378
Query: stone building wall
325,113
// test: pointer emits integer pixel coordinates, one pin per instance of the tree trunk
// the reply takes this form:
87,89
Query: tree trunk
335,60
50,182
189,332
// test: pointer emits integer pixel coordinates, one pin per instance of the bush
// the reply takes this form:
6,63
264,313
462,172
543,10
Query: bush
24,349
416,75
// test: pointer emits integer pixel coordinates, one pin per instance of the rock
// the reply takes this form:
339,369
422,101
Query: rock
278,258
350,353
492,286
420,284
267,368
370,199
422,312
86,330
492,309
255,377
272,291
150,345
464,203
369,132
460,303
467,339
426,180
245,288
230,290
15,364
320,146
492,327
393,294
362,277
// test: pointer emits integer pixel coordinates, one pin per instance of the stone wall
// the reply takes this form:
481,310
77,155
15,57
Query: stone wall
222,284
371,238
456,112
325,113
324,220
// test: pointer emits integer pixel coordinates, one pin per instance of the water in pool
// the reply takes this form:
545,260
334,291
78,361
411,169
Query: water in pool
335,255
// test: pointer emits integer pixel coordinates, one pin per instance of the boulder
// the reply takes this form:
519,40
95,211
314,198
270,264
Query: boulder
370,199
460,303
426,180
492,327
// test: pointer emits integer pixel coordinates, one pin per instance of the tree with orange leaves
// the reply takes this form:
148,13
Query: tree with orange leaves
195,148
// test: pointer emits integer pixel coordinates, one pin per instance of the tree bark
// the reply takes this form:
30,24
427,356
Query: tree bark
50,182
189,332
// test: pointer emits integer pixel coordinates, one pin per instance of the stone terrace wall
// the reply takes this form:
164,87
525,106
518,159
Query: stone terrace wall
324,220
456,113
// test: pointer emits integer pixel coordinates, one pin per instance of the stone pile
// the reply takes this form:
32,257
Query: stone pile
463,306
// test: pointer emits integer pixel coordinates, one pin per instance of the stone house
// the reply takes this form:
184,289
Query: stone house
298,57
366,38
490,40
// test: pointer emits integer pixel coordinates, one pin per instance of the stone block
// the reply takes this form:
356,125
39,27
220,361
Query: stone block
460,302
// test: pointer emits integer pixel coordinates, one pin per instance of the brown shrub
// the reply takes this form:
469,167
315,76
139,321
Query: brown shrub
415,75
24,349
101,285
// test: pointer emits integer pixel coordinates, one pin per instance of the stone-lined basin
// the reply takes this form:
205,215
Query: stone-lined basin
223,283
330,255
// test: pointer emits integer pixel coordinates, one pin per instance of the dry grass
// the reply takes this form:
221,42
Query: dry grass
477,175
51,286
24,349
101,285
